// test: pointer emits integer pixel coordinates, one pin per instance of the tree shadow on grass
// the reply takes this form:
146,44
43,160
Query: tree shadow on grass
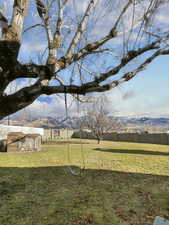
133,151
53,196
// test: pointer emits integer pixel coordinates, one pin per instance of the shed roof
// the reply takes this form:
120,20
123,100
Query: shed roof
19,135
15,134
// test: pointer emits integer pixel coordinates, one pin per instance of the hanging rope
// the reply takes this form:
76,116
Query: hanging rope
72,171
81,144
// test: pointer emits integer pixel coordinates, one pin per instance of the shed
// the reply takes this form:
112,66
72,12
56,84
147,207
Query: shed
18,142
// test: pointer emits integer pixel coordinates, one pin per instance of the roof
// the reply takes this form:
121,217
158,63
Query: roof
20,135
15,134
26,130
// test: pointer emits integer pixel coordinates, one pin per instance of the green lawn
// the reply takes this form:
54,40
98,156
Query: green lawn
122,184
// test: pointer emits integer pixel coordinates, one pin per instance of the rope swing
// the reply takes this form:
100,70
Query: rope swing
72,170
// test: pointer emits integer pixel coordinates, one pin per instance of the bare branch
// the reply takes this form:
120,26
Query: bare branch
30,71
130,56
23,71
14,31
83,99
165,52
90,48
57,35
91,87
33,26
43,13
59,79
157,36
128,76
65,1
51,61
80,30
21,98
122,13
85,68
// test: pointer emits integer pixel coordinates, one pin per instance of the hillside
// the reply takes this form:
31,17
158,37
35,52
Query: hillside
161,124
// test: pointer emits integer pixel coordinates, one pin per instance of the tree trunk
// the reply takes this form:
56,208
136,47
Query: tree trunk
14,31
98,141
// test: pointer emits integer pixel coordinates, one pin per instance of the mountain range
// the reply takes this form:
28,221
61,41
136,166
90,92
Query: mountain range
72,122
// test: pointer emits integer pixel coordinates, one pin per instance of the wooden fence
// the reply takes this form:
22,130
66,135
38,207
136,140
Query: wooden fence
157,138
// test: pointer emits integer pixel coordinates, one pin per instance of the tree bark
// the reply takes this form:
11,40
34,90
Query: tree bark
14,30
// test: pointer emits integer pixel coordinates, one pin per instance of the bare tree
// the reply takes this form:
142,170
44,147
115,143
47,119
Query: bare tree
99,120
87,45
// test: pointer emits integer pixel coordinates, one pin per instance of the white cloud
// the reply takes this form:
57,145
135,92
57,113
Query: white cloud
31,46
80,6
53,107
123,102
30,49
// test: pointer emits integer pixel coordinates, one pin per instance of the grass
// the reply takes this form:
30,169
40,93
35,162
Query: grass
122,184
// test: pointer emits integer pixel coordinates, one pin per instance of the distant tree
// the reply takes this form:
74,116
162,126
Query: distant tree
98,120
90,45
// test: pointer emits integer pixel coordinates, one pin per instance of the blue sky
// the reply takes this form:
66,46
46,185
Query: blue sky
145,95
148,92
